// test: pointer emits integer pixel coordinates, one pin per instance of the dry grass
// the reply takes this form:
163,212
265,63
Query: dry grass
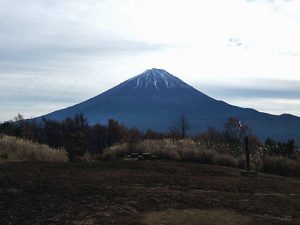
175,150
226,160
281,165
12,148
190,151
116,151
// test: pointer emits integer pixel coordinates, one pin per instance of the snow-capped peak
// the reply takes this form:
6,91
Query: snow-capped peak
158,79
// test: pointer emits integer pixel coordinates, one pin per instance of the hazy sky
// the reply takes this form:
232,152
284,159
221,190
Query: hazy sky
55,53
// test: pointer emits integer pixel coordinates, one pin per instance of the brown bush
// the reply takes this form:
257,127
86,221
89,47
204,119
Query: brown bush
86,157
12,148
176,150
226,160
115,151
281,166
190,151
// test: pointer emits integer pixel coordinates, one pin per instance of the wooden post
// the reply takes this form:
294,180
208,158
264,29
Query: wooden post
248,172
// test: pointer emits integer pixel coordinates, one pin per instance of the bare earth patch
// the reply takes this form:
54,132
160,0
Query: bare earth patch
143,192
196,217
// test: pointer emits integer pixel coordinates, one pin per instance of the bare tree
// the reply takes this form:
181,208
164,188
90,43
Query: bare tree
180,126
234,133
18,117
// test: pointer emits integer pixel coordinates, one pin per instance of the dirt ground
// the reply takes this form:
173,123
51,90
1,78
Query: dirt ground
143,192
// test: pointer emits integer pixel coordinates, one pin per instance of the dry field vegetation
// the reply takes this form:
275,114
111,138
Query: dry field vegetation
12,148
38,186
191,151
174,150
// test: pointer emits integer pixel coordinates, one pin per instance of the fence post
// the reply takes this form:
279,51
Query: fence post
248,172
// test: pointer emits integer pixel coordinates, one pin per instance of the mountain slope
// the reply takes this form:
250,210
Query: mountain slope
155,98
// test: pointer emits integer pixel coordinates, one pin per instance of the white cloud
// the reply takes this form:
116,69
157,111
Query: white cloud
92,45
275,106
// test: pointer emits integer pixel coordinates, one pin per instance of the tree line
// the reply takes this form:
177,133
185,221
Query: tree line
74,134
77,137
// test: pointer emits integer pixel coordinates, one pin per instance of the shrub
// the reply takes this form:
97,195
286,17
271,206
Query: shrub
86,157
206,156
115,151
226,160
12,148
241,162
190,151
197,155
176,150
281,166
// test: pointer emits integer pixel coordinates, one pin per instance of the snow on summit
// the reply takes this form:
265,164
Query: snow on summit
155,97
156,78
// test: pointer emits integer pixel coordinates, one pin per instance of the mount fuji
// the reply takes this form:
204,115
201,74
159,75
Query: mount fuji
155,98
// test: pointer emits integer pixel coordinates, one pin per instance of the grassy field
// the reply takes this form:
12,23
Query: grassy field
143,192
